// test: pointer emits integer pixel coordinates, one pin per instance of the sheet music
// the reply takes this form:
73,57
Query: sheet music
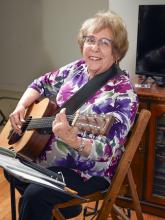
27,174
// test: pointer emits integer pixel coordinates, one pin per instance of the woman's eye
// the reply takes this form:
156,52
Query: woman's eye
90,40
105,42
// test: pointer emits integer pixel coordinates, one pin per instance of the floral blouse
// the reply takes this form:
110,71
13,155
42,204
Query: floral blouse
116,97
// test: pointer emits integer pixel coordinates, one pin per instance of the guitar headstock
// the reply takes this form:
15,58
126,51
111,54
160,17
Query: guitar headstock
95,124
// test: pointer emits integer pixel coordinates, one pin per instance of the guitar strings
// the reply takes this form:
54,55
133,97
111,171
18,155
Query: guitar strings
46,121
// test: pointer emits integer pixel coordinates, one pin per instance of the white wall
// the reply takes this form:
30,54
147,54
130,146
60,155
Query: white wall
38,36
128,10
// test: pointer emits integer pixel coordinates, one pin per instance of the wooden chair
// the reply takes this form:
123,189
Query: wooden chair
123,171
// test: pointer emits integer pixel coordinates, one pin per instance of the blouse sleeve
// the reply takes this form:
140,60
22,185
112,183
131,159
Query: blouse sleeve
123,104
49,84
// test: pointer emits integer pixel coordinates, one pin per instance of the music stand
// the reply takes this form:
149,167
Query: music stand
30,175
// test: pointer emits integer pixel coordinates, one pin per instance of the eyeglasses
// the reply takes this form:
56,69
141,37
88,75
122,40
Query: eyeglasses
103,42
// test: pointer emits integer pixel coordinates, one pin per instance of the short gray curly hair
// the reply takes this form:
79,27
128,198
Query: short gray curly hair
114,22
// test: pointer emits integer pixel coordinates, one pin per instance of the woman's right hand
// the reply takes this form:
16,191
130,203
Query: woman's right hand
17,118
18,115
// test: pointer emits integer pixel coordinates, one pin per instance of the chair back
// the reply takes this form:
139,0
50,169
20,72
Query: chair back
131,146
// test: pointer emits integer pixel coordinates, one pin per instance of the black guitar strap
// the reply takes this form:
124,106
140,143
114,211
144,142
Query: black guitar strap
83,94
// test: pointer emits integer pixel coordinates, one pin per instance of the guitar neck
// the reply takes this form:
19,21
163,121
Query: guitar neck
40,123
95,124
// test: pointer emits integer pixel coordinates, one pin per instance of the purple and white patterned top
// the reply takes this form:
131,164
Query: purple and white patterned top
116,96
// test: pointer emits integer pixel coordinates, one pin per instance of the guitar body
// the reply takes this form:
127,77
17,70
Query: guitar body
31,142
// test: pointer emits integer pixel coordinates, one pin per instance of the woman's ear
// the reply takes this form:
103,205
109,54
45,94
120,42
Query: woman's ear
116,59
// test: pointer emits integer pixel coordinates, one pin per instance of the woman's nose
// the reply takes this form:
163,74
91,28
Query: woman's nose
96,46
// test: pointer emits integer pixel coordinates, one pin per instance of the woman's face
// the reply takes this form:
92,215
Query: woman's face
97,51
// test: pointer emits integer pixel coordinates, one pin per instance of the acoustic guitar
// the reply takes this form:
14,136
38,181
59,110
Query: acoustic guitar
36,129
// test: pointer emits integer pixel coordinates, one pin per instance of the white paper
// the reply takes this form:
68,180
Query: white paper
28,174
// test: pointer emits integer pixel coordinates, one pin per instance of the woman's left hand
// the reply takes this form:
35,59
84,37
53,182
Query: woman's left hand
64,131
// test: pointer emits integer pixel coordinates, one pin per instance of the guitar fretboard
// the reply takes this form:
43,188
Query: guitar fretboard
39,123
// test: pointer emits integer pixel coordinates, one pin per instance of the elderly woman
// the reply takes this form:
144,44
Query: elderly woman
87,161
